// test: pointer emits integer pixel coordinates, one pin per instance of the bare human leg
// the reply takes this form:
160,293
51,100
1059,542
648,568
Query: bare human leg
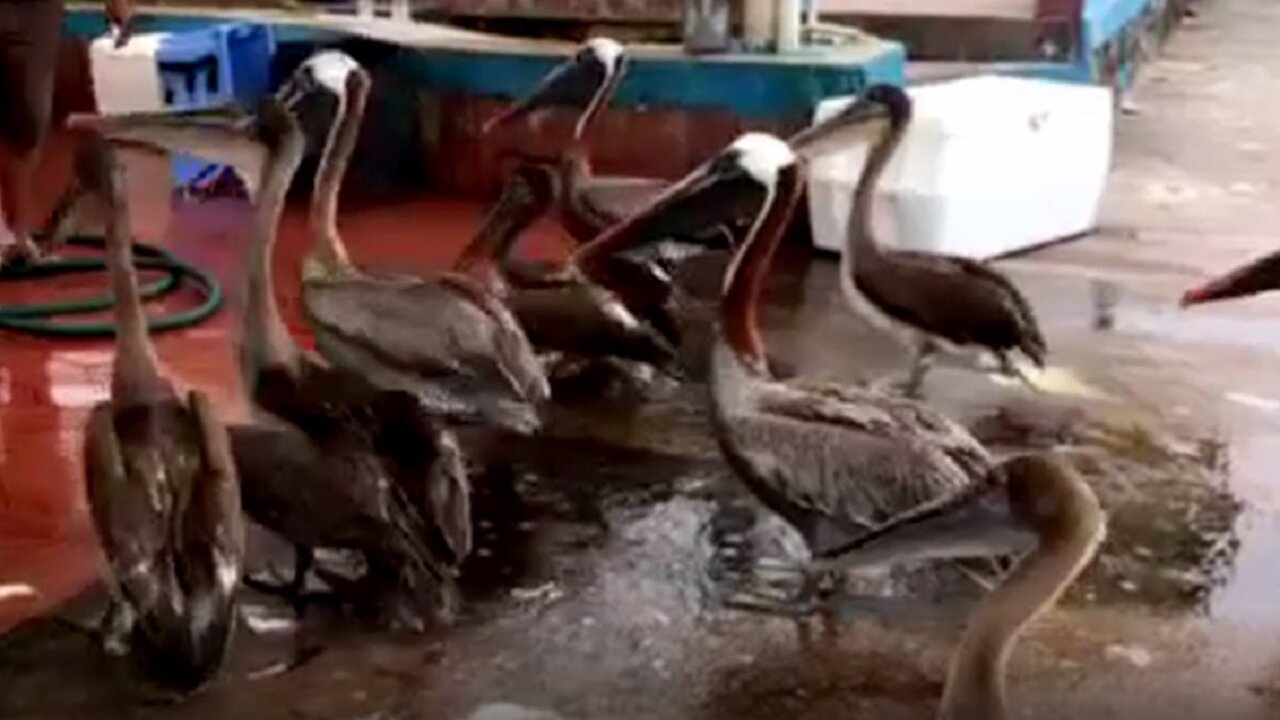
16,245
29,33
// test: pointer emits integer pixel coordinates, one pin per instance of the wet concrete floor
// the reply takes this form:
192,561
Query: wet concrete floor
596,590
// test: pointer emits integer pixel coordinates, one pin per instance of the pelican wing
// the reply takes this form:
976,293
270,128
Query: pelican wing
515,355
213,531
847,474
1033,343
130,513
864,410
427,465
401,467
428,331
587,319
964,301
332,490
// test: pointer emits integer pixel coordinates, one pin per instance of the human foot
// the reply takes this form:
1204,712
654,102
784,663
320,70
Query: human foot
17,251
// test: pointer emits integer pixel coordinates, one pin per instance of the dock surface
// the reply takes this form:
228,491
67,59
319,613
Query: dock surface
589,596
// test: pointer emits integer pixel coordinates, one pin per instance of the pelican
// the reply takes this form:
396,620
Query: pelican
936,300
162,486
833,461
572,314
1034,503
640,279
335,461
446,338
589,204
1257,276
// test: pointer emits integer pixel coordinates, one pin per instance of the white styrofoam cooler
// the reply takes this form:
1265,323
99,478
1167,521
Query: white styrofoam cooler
125,80
989,165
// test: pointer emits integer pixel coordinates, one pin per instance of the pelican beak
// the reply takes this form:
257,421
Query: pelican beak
291,92
838,131
577,82
1258,276
226,134
123,33
716,192
199,132
975,523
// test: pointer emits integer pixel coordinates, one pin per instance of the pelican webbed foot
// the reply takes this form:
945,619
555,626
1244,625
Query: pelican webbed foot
19,251
295,588
985,581
116,627
782,588
921,362
1011,369
892,385
389,597
299,600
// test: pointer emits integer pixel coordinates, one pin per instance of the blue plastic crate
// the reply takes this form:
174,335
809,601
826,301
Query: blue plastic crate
211,66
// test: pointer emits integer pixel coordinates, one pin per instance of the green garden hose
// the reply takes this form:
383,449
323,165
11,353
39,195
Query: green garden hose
39,319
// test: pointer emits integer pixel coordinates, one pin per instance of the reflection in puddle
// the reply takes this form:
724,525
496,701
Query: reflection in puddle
1255,402
79,379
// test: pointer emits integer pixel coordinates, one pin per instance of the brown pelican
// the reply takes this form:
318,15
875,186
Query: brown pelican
940,300
338,461
1030,502
162,486
833,461
569,313
446,338
589,204
528,192
473,346
1258,276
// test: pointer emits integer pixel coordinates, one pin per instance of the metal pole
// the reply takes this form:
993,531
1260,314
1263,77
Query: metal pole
788,39
757,23
810,12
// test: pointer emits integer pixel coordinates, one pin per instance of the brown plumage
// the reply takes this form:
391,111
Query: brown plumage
444,337
162,486
337,461
938,299
831,460
1034,502
567,313
588,206
390,475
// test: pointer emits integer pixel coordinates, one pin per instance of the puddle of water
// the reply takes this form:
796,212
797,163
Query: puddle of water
598,570
1199,326
1251,595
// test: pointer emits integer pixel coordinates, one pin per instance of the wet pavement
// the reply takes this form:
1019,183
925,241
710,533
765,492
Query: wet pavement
596,590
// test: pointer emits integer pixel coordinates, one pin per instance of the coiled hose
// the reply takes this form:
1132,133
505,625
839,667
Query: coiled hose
40,319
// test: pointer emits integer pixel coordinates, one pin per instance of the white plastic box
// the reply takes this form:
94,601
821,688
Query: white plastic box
990,165
126,80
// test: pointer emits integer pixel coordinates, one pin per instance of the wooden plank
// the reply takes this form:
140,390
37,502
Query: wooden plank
594,11
430,36
1005,9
